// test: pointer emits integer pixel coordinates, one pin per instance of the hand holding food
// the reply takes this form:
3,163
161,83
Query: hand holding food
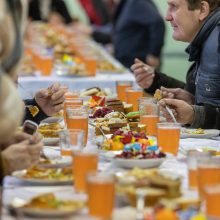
177,93
51,100
182,111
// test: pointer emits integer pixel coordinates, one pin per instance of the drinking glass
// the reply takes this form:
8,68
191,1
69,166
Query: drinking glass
121,87
208,173
132,96
168,136
192,157
101,194
71,141
71,102
212,200
83,163
149,114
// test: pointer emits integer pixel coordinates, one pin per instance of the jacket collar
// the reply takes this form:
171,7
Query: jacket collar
195,47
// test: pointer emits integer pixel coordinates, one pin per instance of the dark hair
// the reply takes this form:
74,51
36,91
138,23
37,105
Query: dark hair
194,4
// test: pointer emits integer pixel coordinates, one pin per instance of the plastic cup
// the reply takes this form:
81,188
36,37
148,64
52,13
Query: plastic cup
208,173
101,194
121,87
132,97
77,118
149,114
168,137
83,163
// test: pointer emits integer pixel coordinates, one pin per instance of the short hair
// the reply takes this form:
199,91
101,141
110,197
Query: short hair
195,4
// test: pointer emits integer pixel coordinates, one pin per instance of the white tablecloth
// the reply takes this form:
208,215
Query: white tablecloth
16,188
29,85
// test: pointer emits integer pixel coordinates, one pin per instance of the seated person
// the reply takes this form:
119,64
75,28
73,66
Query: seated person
47,102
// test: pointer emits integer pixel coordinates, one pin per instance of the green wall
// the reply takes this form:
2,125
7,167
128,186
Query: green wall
175,60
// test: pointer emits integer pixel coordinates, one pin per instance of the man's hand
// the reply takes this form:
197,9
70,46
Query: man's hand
143,73
177,93
182,111
50,100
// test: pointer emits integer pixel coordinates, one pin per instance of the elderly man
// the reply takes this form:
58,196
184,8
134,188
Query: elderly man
196,22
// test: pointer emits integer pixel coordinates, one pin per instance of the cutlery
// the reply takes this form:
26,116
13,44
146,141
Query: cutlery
171,113
100,129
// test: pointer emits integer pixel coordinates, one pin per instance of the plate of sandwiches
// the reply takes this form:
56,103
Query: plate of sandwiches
47,205
50,132
44,176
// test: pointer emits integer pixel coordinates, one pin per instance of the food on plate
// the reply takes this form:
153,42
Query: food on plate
120,138
107,66
95,101
133,116
49,201
157,95
127,107
110,123
142,149
101,112
115,104
50,130
196,131
94,91
41,173
155,184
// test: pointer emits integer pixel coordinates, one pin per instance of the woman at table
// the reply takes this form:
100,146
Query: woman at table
18,150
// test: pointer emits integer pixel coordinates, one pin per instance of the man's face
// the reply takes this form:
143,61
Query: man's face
185,23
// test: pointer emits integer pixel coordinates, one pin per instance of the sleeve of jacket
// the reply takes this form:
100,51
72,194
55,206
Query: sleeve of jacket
207,117
162,79
33,112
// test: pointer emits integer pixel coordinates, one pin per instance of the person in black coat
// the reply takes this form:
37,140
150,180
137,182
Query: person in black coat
36,12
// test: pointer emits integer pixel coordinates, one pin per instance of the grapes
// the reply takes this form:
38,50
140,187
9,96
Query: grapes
101,112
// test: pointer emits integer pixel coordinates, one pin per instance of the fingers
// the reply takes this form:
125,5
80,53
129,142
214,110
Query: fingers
58,97
54,87
58,107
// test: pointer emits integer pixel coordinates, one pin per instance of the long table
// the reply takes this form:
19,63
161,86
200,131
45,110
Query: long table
16,188
29,85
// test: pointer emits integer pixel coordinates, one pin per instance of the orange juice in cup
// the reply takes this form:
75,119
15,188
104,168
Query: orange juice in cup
77,118
46,65
121,87
71,102
132,96
149,114
212,201
83,163
208,173
168,136
101,194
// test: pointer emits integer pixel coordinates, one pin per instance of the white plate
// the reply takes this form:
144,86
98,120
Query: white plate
141,163
19,174
208,133
17,203
51,141
109,154
60,162
50,120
